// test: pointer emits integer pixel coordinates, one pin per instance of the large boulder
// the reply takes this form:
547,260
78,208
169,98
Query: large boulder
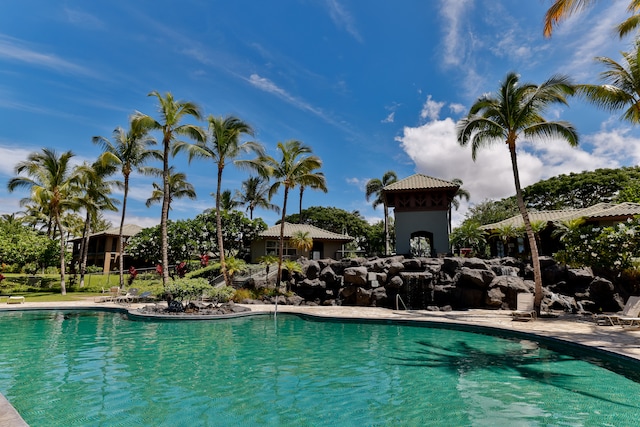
311,269
474,277
395,268
355,275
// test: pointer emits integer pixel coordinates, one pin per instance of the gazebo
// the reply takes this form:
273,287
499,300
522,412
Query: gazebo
422,205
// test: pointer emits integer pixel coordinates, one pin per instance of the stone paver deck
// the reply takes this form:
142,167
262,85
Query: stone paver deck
569,328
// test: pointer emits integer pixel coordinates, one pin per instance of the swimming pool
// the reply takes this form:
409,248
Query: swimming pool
87,368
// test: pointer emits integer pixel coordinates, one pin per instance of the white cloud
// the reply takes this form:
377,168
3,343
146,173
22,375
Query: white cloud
83,19
431,109
342,18
16,50
457,108
361,183
389,118
453,13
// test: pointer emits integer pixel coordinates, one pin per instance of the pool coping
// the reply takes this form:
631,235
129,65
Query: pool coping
613,343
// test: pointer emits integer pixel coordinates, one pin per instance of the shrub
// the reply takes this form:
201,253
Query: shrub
222,294
186,289
243,294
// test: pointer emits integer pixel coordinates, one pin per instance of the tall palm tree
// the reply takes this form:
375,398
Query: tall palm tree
562,9
515,111
297,166
172,113
461,193
621,86
223,145
255,194
302,187
53,183
129,150
94,198
374,188
227,201
178,188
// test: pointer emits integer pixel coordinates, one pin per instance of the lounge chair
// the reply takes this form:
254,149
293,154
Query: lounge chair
15,300
129,297
630,311
145,296
525,309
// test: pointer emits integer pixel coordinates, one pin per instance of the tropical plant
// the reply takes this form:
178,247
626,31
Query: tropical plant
255,194
562,229
505,233
292,267
513,112
302,241
374,189
94,198
227,201
223,145
621,85
129,151
53,184
172,113
178,188
296,167
267,261
461,193
562,9
469,235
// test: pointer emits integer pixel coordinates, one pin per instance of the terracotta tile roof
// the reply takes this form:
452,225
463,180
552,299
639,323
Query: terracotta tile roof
418,182
127,231
600,210
314,232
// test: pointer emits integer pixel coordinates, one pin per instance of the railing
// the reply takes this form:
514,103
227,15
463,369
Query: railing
398,299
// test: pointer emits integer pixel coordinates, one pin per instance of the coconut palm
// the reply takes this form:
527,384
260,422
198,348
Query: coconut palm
302,241
255,194
375,188
53,183
178,188
227,201
172,113
461,193
302,187
297,166
621,86
94,198
505,233
129,151
562,9
223,145
513,112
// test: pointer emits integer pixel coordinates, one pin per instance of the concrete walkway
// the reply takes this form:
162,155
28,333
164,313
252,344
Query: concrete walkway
572,329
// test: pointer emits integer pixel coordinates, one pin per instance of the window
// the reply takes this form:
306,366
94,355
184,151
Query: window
272,249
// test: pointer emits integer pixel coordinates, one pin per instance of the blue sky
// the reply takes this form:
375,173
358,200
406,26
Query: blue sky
370,86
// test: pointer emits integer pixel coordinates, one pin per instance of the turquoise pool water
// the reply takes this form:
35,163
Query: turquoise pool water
101,369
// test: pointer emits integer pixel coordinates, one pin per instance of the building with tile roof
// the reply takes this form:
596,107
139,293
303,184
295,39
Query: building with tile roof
104,247
422,209
326,244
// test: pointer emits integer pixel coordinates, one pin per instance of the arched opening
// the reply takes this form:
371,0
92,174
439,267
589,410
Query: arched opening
421,244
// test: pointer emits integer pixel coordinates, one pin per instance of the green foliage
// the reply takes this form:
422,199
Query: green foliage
25,248
604,248
469,235
492,211
222,294
630,193
187,289
581,190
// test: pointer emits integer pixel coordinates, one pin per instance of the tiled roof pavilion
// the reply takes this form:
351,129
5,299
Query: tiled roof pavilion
419,181
315,233
600,211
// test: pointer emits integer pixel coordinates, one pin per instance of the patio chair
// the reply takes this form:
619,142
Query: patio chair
630,311
15,300
129,297
525,309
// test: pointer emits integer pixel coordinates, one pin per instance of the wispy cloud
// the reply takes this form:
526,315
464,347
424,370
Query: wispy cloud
390,118
13,49
455,39
361,183
82,19
431,109
343,19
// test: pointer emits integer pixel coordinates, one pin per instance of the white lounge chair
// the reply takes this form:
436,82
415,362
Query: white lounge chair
630,311
15,300
525,309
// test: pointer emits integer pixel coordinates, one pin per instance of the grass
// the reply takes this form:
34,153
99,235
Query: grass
56,296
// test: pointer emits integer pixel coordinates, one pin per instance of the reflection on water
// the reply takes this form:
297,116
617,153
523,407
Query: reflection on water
96,368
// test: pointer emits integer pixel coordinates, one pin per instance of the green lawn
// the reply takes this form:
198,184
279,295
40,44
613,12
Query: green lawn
55,296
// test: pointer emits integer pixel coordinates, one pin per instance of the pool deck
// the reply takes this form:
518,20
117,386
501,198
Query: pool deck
575,329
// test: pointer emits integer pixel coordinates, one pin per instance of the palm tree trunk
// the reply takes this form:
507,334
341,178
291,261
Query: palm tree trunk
281,244
165,213
63,287
300,210
386,230
84,249
223,264
120,237
537,273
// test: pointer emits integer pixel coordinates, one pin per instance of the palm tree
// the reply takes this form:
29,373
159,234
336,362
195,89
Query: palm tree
562,9
130,151
296,167
461,193
621,86
53,183
178,188
375,188
302,187
302,241
227,201
223,145
505,233
94,199
255,194
469,235
515,111
172,113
